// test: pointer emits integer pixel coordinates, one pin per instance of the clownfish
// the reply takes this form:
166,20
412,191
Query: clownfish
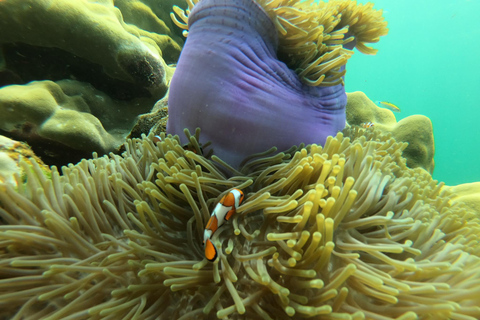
223,211
367,124
388,105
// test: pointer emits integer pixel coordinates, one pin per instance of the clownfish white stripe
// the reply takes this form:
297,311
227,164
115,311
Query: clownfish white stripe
223,211
367,124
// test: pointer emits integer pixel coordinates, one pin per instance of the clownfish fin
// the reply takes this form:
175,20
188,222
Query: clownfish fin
229,214
210,250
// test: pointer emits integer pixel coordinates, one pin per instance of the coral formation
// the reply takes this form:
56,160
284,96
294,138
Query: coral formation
266,73
417,130
467,193
150,20
154,121
11,153
360,109
65,118
93,30
346,231
120,48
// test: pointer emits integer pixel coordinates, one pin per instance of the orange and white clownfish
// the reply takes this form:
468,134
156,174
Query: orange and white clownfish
223,211
157,139
367,124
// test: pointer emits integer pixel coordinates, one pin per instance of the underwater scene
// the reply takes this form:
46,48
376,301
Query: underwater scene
239,159
430,73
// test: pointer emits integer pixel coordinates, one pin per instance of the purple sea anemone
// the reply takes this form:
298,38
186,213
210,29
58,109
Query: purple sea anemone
257,74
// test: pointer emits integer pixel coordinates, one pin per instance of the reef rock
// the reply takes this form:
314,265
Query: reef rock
116,55
95,31
11,154
66,119
468,193
417,130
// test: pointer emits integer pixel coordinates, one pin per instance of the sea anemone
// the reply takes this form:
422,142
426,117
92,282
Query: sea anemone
346,231
256,74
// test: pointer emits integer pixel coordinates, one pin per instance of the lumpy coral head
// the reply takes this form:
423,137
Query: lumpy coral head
230,83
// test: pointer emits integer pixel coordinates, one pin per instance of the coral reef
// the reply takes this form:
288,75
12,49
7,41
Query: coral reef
93,30
154,121
345,231
120,48
67,120
150,21
417,130
467,193
11,153
266,73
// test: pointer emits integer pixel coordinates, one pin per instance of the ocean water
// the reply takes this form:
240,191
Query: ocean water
429,64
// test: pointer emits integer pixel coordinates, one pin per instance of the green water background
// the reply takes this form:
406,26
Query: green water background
429,64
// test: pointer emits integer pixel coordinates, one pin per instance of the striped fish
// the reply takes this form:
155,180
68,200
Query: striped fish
367,124
223,211
388,105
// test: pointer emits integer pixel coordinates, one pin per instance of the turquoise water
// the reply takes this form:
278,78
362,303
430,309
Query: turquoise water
429,64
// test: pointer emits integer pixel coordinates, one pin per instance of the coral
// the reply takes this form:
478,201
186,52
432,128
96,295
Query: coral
417,130
124,49
360,109
66,113
93,30
150,21
467,193
266,73
154,121
11,153
344,231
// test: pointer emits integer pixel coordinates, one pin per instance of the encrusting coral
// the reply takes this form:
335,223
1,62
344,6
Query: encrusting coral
67,113
467,193
346,231
115,57
11,154
416,130
94,30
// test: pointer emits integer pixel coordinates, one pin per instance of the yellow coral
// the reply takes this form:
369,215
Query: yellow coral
344,231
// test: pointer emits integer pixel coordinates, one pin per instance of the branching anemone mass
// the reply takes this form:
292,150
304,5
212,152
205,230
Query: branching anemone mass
346,231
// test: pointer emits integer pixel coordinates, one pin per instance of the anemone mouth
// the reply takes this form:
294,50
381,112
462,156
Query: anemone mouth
314,37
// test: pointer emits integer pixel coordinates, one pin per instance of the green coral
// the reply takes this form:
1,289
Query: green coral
417,130
93,30
11,154
66,112
108,61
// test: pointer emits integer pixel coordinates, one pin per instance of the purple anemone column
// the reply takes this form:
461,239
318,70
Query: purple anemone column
230,83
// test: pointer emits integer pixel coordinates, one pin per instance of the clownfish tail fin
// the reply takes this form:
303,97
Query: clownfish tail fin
210,251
